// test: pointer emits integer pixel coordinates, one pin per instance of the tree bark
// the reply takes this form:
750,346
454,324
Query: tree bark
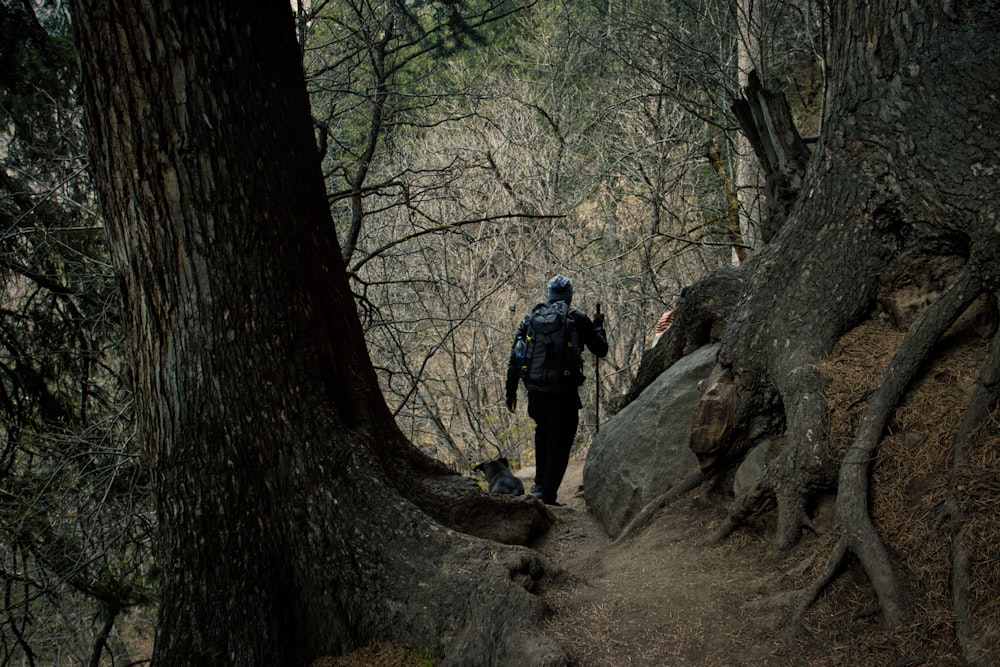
767,124
291,509
904,172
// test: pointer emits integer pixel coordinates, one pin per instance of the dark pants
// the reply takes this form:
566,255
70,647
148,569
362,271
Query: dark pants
556,417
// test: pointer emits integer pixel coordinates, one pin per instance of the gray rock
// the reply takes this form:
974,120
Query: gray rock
643,450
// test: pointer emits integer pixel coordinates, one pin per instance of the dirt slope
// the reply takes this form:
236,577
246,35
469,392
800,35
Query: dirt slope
665,598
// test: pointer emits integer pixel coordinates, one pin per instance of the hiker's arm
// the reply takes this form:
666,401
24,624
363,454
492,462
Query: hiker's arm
513,374
593,335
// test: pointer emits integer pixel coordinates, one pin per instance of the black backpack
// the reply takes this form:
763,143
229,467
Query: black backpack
549,355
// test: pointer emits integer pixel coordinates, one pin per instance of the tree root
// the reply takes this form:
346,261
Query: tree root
690,481
772,489
458,503
984,397
403,576
810,594
506,519
743,507
859,536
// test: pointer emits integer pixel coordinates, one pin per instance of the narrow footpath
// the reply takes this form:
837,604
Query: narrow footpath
662,598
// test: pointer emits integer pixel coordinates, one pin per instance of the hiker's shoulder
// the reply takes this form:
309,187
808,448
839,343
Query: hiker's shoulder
526,320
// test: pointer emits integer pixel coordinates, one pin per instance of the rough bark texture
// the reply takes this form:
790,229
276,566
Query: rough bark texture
766,122
871,201
293,514
904,175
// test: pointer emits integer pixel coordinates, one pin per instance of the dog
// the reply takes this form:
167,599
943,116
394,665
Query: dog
500,479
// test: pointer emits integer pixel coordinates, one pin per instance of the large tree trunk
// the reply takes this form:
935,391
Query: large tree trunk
295,519
905,171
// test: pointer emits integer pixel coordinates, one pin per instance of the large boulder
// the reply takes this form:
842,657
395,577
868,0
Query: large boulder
643,450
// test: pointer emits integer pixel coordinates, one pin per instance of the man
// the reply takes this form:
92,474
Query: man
553,402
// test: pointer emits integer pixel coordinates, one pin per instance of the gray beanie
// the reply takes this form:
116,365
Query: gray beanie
560,289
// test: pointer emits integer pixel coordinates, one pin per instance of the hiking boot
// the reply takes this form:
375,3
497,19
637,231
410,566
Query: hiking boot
536,491
555,503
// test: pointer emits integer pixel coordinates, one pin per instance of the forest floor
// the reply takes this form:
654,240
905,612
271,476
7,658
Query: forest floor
666,597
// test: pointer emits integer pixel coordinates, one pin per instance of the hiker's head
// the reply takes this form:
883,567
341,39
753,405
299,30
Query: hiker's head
560,289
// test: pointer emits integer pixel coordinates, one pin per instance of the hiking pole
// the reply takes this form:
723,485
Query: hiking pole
597,385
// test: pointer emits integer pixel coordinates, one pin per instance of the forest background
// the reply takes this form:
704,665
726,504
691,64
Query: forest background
471,150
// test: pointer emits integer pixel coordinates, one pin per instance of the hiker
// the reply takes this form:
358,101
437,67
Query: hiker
548,356
667,318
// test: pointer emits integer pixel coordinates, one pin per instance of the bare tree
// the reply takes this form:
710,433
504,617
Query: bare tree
382,94
369,64
585,126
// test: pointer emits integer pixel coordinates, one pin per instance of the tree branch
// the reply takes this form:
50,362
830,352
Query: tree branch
444,227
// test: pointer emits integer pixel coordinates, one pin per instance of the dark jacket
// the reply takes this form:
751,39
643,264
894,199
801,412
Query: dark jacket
591,335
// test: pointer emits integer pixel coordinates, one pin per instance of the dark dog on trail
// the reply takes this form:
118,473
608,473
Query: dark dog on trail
500,479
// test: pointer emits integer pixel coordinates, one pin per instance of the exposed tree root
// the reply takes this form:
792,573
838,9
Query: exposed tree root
414,581
744,506
792,518
802,466
459,503
646,514
810,594
859,536
985,396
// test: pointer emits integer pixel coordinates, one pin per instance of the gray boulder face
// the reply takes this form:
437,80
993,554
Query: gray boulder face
643,450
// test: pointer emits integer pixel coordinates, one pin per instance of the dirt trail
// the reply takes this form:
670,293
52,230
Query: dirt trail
662,598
